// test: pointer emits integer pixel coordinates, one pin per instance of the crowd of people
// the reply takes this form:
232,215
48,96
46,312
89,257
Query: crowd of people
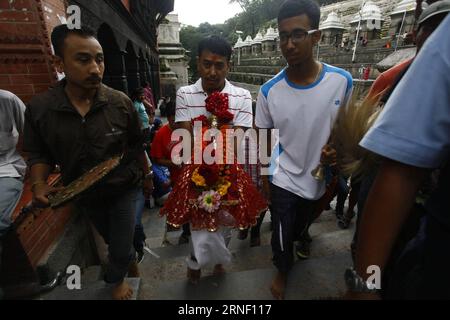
389,154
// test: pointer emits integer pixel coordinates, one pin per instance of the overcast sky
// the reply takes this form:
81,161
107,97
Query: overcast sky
194,12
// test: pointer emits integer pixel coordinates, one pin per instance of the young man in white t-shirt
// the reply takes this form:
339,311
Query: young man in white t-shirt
214,54
302,102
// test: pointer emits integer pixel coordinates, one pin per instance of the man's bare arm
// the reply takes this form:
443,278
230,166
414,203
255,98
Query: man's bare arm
38,176
148,105
144,162
184,125
148,180
388,205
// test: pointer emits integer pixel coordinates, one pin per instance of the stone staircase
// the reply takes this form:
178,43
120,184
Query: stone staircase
248,277
92,287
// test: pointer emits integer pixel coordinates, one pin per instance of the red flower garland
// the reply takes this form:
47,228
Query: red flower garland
217,104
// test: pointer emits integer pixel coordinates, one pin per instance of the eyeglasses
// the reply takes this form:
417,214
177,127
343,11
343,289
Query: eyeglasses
297,36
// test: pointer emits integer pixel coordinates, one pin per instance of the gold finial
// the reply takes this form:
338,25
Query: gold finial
214,122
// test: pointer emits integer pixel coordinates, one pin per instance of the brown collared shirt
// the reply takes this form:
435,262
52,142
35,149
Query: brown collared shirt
55,133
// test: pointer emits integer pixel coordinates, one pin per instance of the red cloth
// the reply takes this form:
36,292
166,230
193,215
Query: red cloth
162,146
181,207
243,201
386,80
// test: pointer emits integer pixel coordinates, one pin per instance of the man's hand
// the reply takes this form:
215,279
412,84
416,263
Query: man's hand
147,187
41,192
328,156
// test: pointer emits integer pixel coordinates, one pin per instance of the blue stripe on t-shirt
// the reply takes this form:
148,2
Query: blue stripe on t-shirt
344,73
268,85
278,150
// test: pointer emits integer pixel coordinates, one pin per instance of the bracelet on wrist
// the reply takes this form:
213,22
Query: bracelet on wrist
36,183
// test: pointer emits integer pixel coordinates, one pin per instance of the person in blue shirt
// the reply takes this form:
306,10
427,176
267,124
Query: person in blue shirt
162,190
138,98
162,183
413,135
12,165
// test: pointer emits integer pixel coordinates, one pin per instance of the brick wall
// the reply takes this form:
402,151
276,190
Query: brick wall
34,232
25,51
40,227
53,12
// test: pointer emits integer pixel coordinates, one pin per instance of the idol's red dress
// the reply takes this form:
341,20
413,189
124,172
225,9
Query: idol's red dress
210,196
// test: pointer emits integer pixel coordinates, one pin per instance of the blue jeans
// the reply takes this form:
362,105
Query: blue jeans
291,216
10,193
342,194
114,217
139,235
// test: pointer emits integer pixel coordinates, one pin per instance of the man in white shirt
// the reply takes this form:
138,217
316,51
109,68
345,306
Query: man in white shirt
12,166
302,102
214,54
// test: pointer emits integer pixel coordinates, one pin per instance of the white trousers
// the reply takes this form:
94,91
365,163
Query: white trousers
209,248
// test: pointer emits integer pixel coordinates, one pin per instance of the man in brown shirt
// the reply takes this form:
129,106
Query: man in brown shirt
78,124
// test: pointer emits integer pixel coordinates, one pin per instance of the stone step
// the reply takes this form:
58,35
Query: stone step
244,257
258,69
253,78
264,62
254,89
326,223
74,247
95,290
91,274
167,263
171,265
311,279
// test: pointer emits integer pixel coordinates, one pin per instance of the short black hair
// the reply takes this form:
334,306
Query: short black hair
61,32
137,93
217,45
170,109
293,8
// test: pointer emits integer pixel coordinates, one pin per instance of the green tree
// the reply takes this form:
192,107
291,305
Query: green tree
255,16
191,36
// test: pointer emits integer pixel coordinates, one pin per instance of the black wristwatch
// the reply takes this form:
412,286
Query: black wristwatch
355,283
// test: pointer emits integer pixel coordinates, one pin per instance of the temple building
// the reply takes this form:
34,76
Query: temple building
332,30
173,59
357,36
